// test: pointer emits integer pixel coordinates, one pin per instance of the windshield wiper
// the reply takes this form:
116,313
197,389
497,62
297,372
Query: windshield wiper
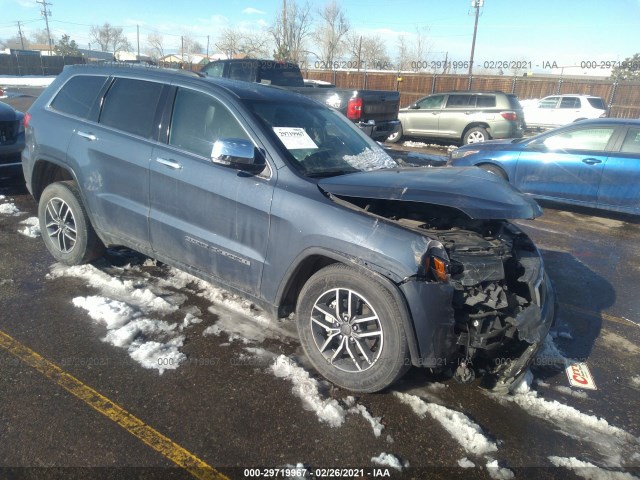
330,173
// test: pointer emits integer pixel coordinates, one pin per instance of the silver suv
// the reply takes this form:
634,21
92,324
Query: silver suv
466,117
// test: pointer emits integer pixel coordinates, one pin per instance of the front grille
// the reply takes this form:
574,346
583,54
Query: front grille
8,132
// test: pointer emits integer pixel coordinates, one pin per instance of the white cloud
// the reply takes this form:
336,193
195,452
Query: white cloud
253,11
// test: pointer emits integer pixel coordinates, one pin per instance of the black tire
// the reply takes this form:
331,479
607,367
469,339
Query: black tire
363,352
65,226
494,169
395,137
475,135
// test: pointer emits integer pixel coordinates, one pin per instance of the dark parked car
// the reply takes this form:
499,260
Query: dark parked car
286,202
11,141
595,163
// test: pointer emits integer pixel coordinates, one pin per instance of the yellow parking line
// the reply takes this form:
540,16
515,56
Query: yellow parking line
605,316
109,409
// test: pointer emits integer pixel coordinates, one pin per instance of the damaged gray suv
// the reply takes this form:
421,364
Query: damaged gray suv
283,200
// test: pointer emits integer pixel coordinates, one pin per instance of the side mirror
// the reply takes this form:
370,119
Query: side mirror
238,154
415,106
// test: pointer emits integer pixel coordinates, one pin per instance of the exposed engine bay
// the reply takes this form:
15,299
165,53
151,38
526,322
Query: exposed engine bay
497,275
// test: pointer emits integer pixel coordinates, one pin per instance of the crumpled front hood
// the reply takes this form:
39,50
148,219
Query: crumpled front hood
478,194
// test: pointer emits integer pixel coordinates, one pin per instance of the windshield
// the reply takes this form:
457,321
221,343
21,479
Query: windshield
318,141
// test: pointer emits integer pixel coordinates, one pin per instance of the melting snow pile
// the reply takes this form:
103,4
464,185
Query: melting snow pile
32,228
467,433
497,472
127,309
9,209
307,389
588,470
388,460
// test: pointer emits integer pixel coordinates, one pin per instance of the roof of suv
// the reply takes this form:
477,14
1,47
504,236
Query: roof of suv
241,90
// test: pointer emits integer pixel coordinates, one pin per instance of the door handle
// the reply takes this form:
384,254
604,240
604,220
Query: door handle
89,136
169,163
591,161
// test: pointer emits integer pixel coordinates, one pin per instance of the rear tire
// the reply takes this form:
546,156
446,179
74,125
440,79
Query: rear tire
395,137
350,328
65,226
475,135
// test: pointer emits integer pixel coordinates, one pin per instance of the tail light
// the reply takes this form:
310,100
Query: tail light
354,109
26,119
509,116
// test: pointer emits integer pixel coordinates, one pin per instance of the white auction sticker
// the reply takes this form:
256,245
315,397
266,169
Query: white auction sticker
580,376
294,138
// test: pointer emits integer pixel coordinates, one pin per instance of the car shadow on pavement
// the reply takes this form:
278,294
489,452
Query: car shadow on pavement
13,186
592,212
582,296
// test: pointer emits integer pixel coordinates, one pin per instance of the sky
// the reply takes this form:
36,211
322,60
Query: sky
574,36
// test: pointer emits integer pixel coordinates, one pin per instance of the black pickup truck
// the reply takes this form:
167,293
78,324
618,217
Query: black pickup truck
374,111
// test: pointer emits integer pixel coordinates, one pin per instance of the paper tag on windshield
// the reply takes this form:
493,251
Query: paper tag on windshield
294,138
580,376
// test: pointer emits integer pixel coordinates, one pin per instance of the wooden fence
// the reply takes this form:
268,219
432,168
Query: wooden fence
622,98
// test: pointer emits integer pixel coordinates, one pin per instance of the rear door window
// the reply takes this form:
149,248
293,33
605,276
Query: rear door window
241,71
459,101
485,101
214,70
78,95
570,102
130,106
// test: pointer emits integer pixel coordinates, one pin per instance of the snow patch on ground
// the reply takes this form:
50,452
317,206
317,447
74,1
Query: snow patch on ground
618,342
26,81
9,209
571,392
139,336
524,384
497,472
466,463
388,460
129,308
550,356
635,381
410,143
356,408
307,389
613,443
467,433
32,228
588,470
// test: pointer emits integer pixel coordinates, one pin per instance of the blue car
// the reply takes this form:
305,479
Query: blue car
594,163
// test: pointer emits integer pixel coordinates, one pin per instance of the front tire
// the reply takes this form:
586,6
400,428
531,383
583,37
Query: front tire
475,135
350,328
65,226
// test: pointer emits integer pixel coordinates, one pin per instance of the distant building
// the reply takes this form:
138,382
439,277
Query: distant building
96,55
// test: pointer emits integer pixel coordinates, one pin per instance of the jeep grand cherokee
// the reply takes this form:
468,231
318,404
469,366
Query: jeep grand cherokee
284,201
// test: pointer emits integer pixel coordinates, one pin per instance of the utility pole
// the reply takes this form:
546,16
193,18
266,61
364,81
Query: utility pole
207,47
138,37
46,14
475,4
21,38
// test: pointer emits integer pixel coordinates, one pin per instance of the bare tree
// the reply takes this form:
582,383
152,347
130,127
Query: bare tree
155,42
421,48
110,39
40,37
290,31
404,62
190,48
331,33
15,42
230,42
369,51
238,42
